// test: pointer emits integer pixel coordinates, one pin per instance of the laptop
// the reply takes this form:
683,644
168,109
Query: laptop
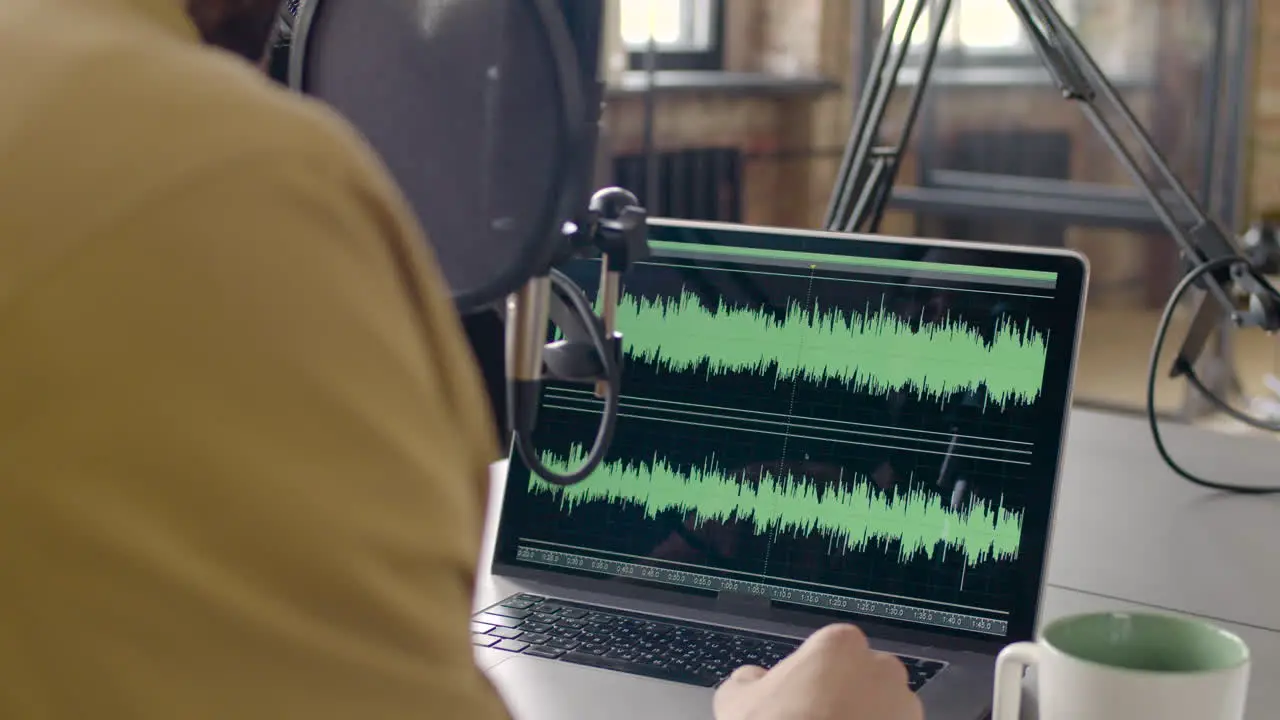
814,428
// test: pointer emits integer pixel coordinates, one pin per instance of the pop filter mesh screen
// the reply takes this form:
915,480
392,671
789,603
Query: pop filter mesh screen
461,99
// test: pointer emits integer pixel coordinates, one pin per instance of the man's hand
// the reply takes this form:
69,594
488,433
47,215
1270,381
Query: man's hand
834,675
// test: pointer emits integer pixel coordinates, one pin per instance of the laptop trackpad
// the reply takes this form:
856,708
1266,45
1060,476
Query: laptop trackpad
537,689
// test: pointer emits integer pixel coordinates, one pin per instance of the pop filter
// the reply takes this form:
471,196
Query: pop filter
484,111
476,107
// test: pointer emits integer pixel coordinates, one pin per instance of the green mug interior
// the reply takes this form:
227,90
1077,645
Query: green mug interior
1149,642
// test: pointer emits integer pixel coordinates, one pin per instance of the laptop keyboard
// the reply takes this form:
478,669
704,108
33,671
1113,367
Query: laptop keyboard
663,648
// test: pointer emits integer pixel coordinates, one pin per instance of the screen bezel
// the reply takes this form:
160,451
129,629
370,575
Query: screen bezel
1072,269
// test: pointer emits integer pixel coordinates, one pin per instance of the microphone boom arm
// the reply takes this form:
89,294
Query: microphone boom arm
1200,239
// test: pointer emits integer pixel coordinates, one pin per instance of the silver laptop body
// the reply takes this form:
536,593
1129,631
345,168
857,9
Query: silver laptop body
907,486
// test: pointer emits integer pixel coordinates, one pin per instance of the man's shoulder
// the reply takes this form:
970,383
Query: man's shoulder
104,128
119,111
207,108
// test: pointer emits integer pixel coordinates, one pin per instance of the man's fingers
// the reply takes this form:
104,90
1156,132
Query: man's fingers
915,708
892,669
734,697
840,638
745,674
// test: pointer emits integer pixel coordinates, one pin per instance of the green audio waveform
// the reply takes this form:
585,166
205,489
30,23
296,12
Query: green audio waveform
874,351
849,517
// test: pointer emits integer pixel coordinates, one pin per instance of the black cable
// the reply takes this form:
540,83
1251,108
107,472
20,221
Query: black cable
613,380
1222,405
1153,369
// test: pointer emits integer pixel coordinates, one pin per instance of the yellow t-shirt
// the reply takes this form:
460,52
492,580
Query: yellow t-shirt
243,445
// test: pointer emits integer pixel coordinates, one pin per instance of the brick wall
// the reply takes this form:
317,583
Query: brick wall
1264,161
815,36
785,37
722,120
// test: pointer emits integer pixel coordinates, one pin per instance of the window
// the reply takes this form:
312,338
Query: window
688,34
981,28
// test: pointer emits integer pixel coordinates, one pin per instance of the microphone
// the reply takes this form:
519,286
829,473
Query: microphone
591,350
528,312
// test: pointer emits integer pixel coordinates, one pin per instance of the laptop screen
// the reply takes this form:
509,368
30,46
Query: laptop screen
868,428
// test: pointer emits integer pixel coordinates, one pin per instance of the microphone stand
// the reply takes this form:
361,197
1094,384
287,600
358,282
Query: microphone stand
869,170
612,226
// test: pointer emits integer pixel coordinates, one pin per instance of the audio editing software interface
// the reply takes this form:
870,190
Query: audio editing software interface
855,434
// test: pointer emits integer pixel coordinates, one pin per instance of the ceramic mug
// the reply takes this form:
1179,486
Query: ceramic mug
1127,666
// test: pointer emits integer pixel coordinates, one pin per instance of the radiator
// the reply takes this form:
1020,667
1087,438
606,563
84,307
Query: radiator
1009,153
693,184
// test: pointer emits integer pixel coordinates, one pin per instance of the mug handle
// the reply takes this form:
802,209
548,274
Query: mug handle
1007,702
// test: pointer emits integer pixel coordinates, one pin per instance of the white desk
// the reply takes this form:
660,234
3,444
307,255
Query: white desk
1127,527
1129,534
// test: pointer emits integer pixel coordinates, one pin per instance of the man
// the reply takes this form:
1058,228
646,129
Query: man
243,448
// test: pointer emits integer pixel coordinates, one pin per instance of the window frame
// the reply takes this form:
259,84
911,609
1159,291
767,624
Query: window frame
683,57
959,56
